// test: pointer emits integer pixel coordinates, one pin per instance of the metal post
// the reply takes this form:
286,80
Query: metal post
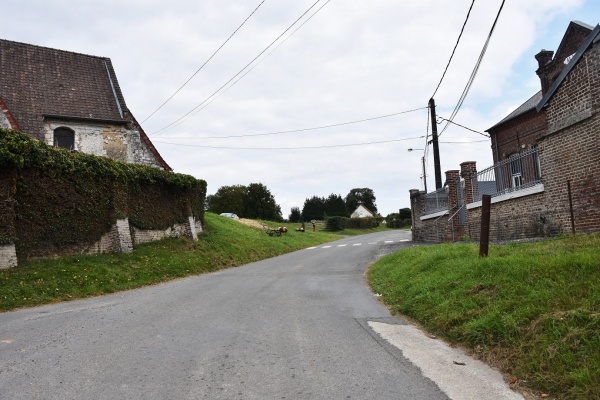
424,176
436,148
571,207
484,237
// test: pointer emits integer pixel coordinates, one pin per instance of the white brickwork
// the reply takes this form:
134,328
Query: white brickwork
116,142
8,256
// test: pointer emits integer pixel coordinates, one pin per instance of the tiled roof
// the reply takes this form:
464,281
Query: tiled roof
530,104
38,80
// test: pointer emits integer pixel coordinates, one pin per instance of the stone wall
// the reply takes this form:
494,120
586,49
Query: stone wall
121,142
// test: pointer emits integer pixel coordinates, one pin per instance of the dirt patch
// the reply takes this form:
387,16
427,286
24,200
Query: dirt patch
250,222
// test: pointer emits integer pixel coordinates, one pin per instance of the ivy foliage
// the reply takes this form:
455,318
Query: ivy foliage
59,199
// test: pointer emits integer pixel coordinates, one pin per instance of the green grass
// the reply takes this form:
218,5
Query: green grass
225,243
532,309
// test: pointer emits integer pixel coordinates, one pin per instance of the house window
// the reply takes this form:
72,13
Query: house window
516,171
65,138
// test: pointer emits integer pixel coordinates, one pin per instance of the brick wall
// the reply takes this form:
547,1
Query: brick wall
517,134
570,148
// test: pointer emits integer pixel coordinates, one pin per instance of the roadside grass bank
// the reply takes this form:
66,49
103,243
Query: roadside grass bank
530,309
225,243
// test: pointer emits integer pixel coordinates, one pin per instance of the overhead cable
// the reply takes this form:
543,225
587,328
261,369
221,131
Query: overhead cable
250,69
290,148
469,129
474,73
303,129
242,70
206,62
453,50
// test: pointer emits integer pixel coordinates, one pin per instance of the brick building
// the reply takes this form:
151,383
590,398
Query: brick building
70,100
546,176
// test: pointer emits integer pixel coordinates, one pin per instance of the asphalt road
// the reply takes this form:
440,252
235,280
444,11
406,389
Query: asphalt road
299,326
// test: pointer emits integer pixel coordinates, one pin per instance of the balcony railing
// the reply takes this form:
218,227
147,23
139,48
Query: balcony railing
518,172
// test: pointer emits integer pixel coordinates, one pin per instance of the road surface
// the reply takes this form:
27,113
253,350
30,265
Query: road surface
300,326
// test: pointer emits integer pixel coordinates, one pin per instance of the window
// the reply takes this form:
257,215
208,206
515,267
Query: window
65,138
516,171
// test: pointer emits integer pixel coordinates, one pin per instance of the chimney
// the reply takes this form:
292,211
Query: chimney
544,59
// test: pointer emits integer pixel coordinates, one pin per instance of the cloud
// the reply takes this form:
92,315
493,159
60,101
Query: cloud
351,61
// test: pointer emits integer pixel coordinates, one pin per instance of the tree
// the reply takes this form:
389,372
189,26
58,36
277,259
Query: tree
364,196
228,199
314,208
405,213
335,206
260,203
295,215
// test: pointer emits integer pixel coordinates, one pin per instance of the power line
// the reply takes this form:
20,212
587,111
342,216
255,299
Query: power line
305,129
291,148
469,129
246,66
252,68
453,50
206,62
474,73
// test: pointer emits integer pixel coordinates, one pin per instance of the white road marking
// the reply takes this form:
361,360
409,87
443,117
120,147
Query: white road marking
389,241
373,243
357,244
310,248
437,360
325,247
405,240
342,245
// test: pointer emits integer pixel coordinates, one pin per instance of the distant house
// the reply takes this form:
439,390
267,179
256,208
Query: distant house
70,100
362,212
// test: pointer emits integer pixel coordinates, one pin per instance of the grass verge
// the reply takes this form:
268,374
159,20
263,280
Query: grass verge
225,243
531,309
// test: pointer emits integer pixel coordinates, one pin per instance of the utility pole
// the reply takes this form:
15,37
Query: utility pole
436,148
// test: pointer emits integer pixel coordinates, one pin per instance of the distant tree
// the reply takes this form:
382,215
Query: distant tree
364,196
335,206
405,213
260,203
228,199
295,215
314,208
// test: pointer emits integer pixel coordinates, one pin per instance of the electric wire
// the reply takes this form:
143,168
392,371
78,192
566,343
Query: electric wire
453,50
462,126
291,148
206,62
245,67
251,69
303,129
474,73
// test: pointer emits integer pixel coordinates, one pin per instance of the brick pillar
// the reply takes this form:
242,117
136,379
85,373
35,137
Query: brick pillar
452,180
417,207
468,171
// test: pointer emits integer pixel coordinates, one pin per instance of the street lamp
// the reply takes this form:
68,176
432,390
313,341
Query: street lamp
424,176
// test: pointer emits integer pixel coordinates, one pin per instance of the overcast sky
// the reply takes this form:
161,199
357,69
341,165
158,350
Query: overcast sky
352,61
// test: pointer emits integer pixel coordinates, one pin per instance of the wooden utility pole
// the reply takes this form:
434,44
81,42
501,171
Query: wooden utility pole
484,236
436,147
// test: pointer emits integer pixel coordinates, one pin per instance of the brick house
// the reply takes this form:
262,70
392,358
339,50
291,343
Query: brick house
546,176
70,100
520,130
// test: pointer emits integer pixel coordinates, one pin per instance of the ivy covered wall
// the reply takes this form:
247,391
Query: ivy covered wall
53,201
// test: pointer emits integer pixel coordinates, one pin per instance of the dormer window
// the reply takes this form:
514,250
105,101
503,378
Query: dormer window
65,138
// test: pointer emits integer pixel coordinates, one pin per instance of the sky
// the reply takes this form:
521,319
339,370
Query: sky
310,97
